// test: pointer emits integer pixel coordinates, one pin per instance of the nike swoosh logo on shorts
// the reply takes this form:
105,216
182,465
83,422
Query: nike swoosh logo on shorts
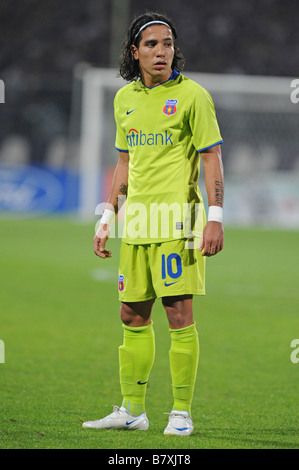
141,383
170,283
129,112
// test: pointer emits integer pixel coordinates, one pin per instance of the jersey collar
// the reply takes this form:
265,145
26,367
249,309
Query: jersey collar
173,76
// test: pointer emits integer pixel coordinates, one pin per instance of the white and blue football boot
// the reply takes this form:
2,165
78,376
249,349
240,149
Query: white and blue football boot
120,419
179,424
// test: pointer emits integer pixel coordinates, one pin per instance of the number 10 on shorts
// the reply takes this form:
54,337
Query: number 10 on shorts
171,266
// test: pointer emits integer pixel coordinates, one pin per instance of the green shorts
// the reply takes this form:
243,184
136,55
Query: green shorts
160,270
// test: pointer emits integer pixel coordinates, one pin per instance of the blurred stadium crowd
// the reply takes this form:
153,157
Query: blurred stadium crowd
43,41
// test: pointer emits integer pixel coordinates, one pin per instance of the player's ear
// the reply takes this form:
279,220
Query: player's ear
134,52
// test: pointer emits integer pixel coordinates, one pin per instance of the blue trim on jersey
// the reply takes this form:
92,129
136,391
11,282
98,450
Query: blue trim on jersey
121,150
213,145
173,76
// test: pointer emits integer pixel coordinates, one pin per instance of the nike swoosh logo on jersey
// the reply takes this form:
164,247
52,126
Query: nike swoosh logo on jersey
130,422
129,112
170,283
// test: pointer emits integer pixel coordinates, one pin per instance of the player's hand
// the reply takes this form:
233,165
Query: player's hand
212,239
99,242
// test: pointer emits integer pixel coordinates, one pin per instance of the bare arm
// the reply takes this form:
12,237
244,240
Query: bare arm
119,184
118,188
212,241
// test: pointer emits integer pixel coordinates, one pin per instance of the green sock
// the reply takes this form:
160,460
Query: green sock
136,357
183,356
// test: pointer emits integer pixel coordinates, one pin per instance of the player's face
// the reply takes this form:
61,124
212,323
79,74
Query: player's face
155,54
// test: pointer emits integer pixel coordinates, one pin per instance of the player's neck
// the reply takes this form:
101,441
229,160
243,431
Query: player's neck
152,81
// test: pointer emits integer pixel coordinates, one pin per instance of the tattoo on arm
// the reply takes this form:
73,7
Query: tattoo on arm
123,190
115,208
219,192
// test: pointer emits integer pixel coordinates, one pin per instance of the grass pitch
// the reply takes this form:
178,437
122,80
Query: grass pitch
60,325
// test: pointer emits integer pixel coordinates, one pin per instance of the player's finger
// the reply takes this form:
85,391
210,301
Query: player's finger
213,250
105,254
201,244
102,253
218,246
206,250
99,248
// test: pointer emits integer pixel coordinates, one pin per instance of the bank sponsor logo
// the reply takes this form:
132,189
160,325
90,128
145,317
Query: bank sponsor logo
135,138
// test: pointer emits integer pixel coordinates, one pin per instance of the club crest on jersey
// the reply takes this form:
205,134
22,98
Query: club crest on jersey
121,283
170,107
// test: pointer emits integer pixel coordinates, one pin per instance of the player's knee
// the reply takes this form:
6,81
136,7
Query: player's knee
126,314
179,313
129,316
135,315
176,318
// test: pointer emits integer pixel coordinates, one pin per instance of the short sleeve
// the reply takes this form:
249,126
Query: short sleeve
203,122
120,138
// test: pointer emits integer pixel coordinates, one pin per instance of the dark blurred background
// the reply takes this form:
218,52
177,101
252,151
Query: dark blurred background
42,41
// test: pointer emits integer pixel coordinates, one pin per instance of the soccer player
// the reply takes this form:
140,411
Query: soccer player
165,122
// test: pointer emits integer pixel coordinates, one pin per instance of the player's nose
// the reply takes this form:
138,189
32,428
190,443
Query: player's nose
160,51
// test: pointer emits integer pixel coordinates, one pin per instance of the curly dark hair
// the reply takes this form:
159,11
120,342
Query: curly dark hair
129,67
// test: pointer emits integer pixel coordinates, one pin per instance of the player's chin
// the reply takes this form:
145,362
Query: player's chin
160,70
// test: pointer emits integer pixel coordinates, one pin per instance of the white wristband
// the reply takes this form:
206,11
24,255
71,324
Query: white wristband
215,214
107,217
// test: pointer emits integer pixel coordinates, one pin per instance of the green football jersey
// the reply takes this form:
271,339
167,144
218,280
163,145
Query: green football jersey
164,129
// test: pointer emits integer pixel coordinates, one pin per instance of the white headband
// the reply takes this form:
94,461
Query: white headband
147,24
